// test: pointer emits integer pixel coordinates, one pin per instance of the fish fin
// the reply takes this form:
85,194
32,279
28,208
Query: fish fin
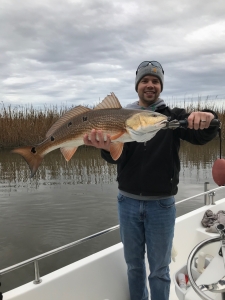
116,136
78,110
30,155
68,152
116,150
110,101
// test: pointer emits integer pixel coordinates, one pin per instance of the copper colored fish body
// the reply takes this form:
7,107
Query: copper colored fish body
123,125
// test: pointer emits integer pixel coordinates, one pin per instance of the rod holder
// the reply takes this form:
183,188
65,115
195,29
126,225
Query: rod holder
37,279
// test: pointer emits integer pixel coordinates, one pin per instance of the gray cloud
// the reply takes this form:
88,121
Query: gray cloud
79,51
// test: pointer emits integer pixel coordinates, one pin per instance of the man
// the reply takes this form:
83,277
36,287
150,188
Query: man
148,175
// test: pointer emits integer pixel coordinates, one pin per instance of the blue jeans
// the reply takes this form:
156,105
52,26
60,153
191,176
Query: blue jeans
149,223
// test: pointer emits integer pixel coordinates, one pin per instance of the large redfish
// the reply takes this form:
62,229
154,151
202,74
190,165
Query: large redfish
123,125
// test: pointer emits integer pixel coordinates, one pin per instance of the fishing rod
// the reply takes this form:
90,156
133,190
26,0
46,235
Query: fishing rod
184,124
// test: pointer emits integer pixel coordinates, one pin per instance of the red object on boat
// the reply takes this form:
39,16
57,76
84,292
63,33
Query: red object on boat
218,171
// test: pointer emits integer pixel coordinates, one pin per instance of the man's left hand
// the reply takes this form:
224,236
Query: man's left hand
199,120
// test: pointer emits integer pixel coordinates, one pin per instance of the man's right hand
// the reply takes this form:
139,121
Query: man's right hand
96,139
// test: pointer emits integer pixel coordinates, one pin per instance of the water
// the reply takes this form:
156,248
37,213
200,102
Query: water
69,201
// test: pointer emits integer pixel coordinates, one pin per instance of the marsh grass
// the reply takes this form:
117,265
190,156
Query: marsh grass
25,125
21,126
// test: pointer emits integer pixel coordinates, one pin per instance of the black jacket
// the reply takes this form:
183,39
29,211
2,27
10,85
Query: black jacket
152,168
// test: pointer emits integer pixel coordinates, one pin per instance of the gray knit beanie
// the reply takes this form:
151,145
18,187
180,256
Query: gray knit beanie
149,70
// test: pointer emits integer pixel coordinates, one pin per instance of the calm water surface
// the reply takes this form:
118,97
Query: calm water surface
68,201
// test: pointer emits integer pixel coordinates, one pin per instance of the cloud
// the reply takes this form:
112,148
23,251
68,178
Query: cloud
79,51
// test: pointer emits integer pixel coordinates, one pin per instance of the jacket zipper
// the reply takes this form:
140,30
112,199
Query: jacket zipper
145,144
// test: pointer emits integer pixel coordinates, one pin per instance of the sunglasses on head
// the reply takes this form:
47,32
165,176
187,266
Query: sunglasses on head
147,63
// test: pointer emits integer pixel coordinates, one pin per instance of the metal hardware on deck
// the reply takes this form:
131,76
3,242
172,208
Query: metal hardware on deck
35,259
201,194
37,279
49,253
189,265
211,196
221,230
206,196
215,287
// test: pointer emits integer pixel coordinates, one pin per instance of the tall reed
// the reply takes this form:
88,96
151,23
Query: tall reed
27,126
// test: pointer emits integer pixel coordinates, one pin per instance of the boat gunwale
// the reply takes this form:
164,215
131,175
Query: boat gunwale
72,244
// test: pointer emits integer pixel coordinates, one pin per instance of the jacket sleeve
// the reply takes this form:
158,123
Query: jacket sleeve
197,137
107,156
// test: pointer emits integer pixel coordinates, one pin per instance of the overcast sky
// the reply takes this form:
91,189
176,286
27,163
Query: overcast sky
77,51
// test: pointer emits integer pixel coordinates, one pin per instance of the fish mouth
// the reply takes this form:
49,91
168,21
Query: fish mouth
161,124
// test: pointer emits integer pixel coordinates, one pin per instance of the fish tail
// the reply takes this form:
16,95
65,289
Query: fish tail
31,156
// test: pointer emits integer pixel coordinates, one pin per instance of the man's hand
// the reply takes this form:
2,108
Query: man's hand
96,139
199,120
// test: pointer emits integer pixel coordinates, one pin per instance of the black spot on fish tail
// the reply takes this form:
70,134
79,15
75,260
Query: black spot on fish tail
33,150
69,124
52,138
31,156
84,119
